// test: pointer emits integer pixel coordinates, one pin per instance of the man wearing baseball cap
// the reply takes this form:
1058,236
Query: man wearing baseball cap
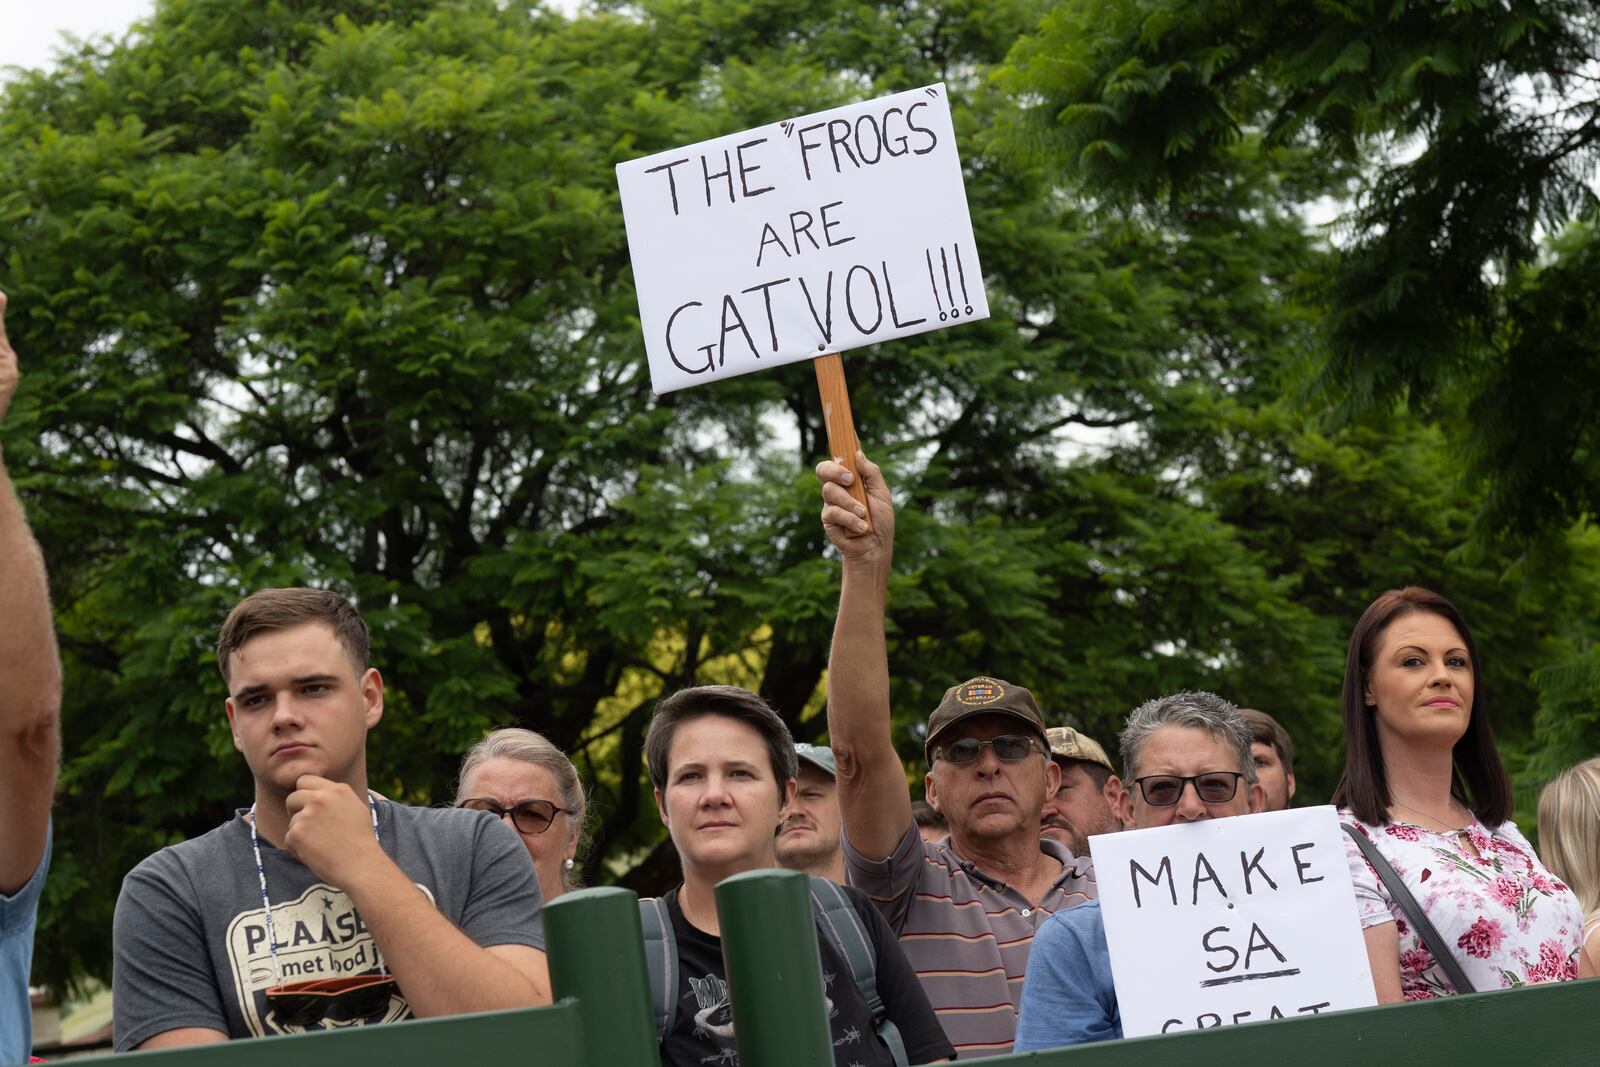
808,829
966,908
1086,802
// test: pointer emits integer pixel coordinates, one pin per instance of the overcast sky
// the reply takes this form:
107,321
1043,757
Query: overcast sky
31,32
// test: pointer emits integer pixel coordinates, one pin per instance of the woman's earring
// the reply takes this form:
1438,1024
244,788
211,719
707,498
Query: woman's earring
567,863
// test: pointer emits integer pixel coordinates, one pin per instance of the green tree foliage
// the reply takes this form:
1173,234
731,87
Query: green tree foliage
339,294
1463,285
1475,127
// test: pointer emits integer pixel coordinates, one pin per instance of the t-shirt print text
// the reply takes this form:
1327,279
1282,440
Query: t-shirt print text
320,935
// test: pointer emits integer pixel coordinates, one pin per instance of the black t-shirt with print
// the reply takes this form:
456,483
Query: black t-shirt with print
702,1033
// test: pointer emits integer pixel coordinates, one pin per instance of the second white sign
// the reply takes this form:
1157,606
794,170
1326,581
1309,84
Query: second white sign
1227,921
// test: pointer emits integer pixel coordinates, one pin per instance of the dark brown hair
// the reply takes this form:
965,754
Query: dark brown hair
730,702
1480,778
279,609
1269,731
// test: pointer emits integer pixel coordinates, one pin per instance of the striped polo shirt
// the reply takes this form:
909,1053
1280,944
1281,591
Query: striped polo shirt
967,935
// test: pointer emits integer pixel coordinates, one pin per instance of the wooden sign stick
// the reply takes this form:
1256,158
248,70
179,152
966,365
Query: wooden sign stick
841,425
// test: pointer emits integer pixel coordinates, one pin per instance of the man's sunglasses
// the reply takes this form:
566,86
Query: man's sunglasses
1007,747
1165,790
528,816
355,997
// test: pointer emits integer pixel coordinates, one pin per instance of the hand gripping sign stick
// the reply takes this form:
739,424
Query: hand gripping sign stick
841,425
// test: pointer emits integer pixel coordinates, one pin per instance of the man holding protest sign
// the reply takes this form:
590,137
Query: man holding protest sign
1185,758
966,909
1202,920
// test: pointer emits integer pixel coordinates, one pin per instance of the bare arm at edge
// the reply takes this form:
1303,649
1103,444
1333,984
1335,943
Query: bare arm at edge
1383,956
30,699
874,800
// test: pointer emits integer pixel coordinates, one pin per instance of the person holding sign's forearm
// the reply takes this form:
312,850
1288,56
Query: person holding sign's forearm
966,908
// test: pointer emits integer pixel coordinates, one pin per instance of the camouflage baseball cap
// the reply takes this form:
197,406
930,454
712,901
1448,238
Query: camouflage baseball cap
1067,743
982,696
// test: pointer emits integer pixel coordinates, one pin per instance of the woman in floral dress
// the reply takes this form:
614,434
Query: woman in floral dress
1423,781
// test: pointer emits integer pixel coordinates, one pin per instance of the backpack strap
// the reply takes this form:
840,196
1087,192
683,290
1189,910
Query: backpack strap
838,922
660,962
1408,904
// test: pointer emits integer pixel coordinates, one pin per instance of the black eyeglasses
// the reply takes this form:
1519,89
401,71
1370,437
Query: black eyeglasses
1165,790
528,816
354,997
1008,747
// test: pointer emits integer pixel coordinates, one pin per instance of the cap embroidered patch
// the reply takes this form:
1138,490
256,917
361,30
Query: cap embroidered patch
981,691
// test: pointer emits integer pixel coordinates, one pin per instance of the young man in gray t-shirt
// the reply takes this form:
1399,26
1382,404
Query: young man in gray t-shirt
322,905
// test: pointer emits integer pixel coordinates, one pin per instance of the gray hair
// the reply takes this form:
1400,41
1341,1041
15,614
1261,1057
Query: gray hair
527,746
1204,711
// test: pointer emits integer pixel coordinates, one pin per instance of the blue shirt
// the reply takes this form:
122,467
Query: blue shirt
18,915
1068,997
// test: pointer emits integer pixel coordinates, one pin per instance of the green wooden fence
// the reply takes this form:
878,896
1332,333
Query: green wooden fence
603,1018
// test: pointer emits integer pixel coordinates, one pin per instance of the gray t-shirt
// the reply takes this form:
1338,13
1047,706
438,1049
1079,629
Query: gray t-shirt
190,937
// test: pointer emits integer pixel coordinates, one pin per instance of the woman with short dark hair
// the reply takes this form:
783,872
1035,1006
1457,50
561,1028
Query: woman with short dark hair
1423,784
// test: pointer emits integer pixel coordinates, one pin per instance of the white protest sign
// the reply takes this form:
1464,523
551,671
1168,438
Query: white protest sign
812,235
1228,921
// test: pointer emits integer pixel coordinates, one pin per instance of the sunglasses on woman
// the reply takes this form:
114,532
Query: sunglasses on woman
528,816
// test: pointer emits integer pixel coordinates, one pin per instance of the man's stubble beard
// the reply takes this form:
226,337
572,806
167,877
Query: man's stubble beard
807,857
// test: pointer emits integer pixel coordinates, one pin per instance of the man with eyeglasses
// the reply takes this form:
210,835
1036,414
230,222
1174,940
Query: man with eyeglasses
322,905
30,740
966,908
1186,758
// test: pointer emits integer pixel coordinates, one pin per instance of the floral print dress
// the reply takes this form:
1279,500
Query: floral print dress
1510,921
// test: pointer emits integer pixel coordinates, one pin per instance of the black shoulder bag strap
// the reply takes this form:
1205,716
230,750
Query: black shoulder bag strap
1408,904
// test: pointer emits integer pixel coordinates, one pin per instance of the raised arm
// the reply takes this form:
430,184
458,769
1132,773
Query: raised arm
874,800
30,698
